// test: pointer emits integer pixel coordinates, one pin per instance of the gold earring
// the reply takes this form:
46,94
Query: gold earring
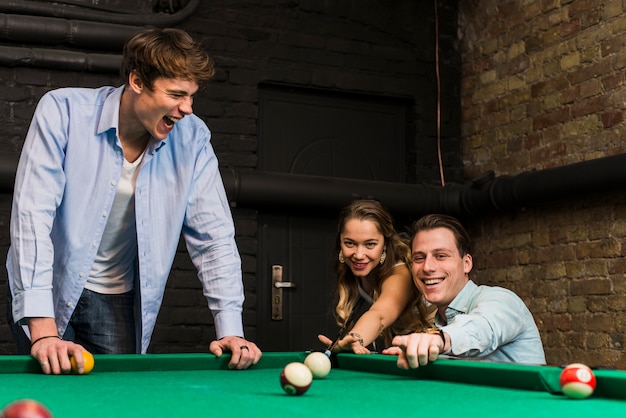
383,255
341,259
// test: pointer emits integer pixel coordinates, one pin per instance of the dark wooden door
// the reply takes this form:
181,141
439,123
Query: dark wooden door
322,134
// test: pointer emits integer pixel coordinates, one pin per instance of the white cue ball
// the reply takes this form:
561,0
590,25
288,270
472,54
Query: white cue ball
296,378
319,364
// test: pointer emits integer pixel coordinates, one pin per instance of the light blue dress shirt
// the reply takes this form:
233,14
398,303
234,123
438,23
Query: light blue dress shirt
64,188
491,323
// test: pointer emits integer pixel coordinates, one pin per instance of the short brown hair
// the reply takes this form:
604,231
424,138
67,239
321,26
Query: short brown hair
433,221
166,53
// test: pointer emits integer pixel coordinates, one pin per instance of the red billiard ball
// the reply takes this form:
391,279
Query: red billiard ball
296,378
26,408
577,381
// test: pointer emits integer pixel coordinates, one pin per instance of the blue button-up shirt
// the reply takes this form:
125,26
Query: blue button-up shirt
491,323
64,188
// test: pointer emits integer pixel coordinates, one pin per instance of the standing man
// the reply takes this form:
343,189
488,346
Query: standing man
484,322
107,180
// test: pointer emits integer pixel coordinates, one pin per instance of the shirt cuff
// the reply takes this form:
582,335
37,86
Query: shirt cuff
32,304
227,324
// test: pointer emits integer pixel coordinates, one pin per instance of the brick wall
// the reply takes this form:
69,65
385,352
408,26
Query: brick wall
543,86
366,46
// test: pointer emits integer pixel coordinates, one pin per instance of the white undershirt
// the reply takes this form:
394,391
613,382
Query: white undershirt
113,270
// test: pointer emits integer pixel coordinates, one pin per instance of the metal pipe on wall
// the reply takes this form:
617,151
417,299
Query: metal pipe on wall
92,29
8,167
281,192
531,188
29,29
487,194
141,19
287,192
65,60
53,31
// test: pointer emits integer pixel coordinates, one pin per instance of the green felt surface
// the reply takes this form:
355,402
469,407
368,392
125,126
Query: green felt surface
187,385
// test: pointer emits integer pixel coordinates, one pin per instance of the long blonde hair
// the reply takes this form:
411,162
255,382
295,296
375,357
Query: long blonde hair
413,317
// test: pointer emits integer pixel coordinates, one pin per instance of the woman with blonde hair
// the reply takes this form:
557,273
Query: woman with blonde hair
376,298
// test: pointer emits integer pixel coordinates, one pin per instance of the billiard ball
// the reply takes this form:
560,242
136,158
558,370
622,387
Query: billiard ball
296,378
26,408
319,364
88,363
577,381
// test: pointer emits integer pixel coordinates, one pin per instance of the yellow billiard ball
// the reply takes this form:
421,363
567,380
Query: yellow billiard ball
88,363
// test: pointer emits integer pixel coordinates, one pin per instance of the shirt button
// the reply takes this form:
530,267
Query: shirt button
68,304
113,182
81,274
104,214
93,244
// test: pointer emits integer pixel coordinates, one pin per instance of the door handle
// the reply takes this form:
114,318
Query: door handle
277,291
282,285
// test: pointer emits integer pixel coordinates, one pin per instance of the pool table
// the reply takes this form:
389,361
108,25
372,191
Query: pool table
185,385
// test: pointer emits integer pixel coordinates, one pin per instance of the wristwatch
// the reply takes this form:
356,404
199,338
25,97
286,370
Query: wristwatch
358,337
437,331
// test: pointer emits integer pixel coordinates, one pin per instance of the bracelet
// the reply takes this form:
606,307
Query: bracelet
437,331
358,337
43,338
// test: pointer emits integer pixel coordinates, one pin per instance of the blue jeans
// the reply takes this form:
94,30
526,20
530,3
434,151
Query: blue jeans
103,324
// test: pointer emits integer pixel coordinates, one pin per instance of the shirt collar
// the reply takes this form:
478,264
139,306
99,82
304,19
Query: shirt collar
460,304
111,115
461,301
